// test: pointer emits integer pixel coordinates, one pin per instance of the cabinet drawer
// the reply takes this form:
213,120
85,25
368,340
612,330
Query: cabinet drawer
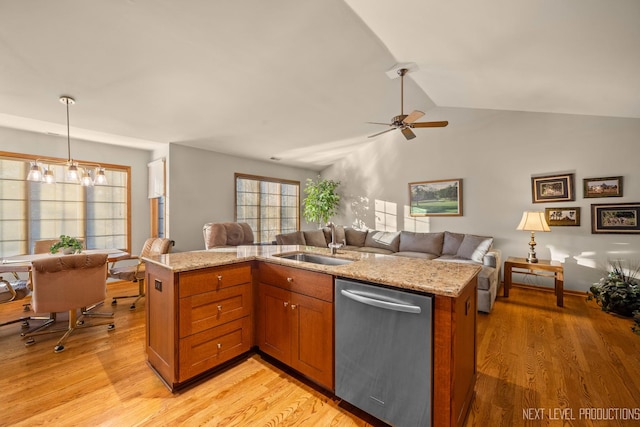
203,311
209,279
206,350
311,283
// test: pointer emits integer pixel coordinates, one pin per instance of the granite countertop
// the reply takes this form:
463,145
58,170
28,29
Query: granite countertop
436,277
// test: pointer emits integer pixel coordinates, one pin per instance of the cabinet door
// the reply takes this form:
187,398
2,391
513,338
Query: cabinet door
274,322
312,339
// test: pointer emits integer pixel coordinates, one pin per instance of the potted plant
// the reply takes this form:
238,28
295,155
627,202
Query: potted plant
69,245
322,200
619,291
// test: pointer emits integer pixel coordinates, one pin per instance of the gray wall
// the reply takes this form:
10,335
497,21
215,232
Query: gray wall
38,144
201,190
496,153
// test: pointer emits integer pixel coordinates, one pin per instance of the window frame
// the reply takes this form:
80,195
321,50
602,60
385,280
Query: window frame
264,179
121,168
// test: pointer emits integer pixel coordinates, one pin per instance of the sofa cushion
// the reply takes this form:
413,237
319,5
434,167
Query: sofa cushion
375,250
421,242
383,240
355,237
451,243
421,255
295,238
315,238
474,247
339,234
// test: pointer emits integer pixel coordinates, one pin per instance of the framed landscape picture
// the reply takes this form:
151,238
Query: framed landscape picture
615,218
553,188
603,187
562,216
436,198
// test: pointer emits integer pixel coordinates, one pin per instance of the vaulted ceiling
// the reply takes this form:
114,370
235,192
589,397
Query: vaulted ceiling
299,79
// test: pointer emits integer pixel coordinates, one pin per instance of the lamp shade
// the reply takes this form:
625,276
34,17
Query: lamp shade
533,221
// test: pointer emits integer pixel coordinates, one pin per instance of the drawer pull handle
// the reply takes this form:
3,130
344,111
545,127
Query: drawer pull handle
293,306
219,308
285,303
220,278
289,279
219,346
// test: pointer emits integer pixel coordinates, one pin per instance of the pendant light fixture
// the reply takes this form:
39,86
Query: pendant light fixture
85,174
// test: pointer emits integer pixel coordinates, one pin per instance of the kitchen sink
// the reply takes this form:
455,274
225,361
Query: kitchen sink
315,259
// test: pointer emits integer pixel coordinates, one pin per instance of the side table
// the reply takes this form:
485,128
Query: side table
541,268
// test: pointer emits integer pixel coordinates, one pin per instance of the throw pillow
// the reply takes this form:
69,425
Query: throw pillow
295,238
315,238
474,247
430,243
451,243
355,237
383,240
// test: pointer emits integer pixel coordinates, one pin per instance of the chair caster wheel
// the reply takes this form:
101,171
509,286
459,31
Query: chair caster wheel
80,322
29,342
132,307
58,348
114,302
111,327
25,325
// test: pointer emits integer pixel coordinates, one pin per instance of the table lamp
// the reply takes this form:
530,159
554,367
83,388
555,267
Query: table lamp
533,221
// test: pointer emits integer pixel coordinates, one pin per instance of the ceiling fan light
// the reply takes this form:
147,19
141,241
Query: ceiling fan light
101,178
35,172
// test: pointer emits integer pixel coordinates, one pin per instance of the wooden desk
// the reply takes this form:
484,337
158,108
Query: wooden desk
543,266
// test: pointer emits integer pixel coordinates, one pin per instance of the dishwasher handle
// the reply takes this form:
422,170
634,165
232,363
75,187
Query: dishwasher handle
387,305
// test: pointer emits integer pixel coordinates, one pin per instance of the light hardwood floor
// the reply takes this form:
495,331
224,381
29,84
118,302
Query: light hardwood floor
531,354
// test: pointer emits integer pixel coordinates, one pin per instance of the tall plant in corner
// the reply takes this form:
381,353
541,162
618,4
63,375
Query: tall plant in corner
321,201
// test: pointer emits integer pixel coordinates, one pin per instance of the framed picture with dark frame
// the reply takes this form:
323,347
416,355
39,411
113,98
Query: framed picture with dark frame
615,218
603,187
553,188
566,217
436,198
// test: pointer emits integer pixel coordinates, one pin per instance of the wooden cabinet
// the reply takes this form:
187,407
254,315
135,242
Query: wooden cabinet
197,320
295,320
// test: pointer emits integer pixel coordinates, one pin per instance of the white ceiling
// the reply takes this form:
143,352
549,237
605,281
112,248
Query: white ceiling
299,79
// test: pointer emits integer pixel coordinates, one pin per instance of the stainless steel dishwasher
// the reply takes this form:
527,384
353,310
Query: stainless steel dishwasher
383,355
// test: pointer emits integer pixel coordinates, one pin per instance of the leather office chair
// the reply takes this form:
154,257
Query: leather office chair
135,273
68,283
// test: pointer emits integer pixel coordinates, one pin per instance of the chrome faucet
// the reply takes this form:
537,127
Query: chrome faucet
333,246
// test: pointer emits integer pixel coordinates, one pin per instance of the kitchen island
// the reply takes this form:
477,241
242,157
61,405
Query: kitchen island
206,308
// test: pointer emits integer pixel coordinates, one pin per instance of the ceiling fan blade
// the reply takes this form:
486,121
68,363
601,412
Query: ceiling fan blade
415,115
429,124
380,133
378,123
408,133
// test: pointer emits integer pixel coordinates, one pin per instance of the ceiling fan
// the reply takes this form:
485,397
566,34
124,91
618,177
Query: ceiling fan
407,122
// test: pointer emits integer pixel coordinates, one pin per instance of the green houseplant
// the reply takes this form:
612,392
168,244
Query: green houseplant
619,292
322,200
69,245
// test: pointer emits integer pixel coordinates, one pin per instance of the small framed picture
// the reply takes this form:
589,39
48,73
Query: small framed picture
557,217
615,218
603,187
553,188
436,198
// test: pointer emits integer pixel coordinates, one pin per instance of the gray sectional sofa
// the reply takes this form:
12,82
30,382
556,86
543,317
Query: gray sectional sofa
440,246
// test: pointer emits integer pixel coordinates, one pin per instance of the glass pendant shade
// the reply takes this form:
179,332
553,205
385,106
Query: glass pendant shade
101,178
86,180
35,173
73,175
48,177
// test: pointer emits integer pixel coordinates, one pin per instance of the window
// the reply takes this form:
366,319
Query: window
32,211
269,205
